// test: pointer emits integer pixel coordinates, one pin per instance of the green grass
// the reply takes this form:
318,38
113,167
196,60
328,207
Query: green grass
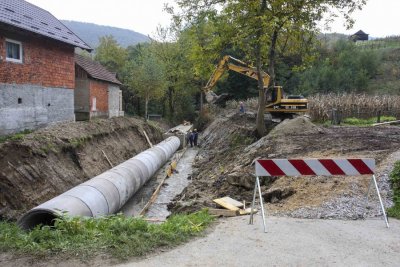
14,137
366,122
119,236
395,180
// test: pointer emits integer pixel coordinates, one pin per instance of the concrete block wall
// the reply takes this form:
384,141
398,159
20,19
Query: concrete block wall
114,94
82,100
31,106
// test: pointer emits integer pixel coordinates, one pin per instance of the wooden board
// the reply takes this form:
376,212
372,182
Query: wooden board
247,211
228,203
223,212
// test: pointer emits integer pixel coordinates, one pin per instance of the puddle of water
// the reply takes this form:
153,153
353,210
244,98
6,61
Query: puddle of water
173,186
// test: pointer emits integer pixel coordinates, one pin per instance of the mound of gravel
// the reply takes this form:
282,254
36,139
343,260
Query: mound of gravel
298,125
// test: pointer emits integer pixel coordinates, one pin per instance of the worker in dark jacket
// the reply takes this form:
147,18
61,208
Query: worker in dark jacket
195,137
191,138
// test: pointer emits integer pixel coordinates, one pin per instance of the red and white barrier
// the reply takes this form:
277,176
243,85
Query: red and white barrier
326,167
323,167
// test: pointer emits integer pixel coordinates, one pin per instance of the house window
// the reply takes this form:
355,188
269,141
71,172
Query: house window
13,51
94,104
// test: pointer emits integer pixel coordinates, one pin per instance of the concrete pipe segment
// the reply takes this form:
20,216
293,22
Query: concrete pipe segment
106,193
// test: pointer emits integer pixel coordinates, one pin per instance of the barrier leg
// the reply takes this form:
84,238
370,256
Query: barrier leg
253,202
380,200
367,196
261,204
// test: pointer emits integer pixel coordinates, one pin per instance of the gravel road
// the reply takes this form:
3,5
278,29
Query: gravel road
289,242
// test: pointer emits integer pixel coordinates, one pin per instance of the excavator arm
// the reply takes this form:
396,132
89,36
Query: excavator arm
231,63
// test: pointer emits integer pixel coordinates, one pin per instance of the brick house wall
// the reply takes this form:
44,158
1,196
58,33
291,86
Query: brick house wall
45,62
98,94
38,91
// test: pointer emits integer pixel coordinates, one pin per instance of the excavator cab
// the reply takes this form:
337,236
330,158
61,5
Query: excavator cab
279,105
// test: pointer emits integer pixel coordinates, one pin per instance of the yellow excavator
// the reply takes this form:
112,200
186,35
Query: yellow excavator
277,105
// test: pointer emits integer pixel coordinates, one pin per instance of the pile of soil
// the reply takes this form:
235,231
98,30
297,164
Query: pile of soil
225,167
52,160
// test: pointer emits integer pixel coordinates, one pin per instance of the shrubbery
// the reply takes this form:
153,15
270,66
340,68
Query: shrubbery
395,180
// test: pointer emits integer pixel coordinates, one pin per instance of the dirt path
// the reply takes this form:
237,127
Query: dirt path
289,242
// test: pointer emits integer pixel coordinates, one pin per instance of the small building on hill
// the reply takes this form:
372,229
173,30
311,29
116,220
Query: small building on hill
97,90
37,69
359,36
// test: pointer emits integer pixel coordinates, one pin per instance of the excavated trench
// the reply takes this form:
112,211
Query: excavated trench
52,171
50,161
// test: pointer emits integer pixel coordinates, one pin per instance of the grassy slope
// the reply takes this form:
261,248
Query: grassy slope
119,236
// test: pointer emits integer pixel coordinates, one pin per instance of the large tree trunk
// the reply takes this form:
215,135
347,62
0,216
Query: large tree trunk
260,123
271,59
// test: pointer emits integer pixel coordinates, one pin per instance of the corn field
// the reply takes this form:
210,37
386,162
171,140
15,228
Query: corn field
353,105
360,106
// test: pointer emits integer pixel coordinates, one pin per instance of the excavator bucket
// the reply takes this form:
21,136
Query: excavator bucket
215,99
211,97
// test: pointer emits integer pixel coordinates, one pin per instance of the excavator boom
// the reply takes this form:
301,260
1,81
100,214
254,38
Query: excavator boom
228,63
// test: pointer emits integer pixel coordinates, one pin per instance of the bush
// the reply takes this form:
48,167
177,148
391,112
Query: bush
395,181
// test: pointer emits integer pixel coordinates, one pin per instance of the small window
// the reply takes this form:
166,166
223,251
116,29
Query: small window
13,51
94,104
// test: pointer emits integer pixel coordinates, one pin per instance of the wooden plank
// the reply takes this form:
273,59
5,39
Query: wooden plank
147,138
153,197
230,201
247,211
226,204
383,123
223,212
108,160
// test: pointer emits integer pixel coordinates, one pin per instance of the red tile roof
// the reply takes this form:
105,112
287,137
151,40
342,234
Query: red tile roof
95,69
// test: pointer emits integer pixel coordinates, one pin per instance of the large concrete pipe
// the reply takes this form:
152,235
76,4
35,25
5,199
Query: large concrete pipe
107,192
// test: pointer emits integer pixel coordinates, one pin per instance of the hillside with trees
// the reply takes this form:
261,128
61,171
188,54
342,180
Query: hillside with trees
91,33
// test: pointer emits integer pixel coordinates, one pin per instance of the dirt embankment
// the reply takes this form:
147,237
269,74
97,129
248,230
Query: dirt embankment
225,166
52,160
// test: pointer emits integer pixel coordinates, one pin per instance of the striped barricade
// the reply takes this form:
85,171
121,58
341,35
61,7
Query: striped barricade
316,167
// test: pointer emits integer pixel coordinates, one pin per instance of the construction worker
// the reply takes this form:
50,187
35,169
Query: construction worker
191,138
195,137
241,108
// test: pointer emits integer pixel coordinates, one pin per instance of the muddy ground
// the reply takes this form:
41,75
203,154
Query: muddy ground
225,167
54,159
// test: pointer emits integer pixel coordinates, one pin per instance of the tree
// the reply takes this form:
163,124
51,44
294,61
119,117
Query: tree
110,54
344,68
259,27
147,77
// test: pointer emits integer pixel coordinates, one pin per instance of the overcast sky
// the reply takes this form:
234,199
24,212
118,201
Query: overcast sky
379,18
